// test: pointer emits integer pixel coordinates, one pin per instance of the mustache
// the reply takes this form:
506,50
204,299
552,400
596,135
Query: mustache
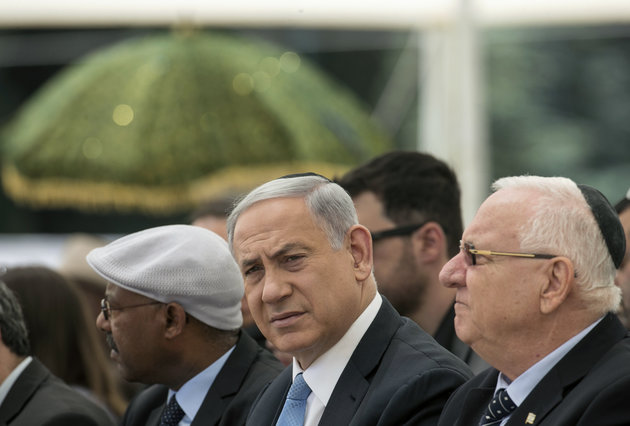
110,342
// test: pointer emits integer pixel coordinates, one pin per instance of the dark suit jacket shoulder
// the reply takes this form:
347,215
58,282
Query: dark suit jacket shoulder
40,398
228,400
588,386
397,375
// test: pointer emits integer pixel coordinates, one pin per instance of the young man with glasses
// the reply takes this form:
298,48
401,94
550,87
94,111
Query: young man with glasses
535,297
172,316
410,202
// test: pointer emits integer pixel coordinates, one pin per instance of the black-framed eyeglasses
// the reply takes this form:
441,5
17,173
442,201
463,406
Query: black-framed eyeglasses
471,253
397,232
106,309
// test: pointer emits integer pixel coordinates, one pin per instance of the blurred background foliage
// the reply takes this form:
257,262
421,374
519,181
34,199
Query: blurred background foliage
558,100
559,104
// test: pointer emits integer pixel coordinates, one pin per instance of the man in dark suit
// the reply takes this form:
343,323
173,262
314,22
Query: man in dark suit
29,393
172,317
410,202
307,266
535,296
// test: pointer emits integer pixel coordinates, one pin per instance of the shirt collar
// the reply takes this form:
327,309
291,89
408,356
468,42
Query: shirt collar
191,395
6,386
322,375
521,387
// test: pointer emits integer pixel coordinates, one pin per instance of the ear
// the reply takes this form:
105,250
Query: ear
559,283
175,317
429,243
360,242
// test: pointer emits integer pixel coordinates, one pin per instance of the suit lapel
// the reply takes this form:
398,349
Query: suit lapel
569,371
23,389
273,397
345,400
477,398
355,378
154,417
227,382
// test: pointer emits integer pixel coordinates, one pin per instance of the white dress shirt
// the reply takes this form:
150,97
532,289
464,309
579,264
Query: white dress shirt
521,387
322,375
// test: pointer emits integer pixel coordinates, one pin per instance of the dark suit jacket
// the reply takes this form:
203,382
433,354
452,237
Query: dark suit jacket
397,375
589,386
39,398
228,400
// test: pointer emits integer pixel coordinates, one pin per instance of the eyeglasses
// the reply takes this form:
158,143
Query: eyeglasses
106,309
396,232
472,252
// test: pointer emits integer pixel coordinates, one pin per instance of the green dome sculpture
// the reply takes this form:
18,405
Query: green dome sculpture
160,123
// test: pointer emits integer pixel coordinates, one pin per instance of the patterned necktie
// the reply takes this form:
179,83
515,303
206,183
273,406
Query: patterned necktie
172,414
500,407
295,405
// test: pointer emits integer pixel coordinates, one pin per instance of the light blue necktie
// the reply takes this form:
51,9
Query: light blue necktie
295,405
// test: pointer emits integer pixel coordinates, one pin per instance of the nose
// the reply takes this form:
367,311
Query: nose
101,323
453,273
275,288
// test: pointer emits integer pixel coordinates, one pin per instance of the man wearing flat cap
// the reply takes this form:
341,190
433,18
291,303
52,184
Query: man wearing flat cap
535,296
171,315
307,266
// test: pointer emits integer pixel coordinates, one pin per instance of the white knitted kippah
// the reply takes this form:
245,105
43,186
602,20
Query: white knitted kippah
186,264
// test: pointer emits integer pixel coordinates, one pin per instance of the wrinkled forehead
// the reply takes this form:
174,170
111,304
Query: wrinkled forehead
501,217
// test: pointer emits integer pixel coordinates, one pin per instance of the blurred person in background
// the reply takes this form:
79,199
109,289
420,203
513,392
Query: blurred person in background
410,202
172,317
622,278
74,267
29,394
212,214
62,335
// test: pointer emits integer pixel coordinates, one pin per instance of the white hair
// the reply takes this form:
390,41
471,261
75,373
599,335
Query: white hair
563,224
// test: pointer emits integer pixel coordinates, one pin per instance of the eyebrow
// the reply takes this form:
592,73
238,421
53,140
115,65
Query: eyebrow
278,253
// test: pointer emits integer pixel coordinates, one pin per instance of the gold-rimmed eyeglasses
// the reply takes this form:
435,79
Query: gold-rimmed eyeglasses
106,308
471,253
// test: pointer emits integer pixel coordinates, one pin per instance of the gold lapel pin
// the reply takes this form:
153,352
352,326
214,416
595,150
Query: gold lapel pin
531,417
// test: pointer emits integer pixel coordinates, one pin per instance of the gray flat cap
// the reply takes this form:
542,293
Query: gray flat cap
177,263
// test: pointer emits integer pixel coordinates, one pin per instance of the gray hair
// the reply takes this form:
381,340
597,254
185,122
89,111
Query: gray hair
329,205
12,325
563,224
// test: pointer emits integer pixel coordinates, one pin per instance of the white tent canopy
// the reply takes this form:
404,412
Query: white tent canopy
452,100
301,13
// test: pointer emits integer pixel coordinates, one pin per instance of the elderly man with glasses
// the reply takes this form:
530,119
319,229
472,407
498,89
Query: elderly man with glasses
535,298
172,316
